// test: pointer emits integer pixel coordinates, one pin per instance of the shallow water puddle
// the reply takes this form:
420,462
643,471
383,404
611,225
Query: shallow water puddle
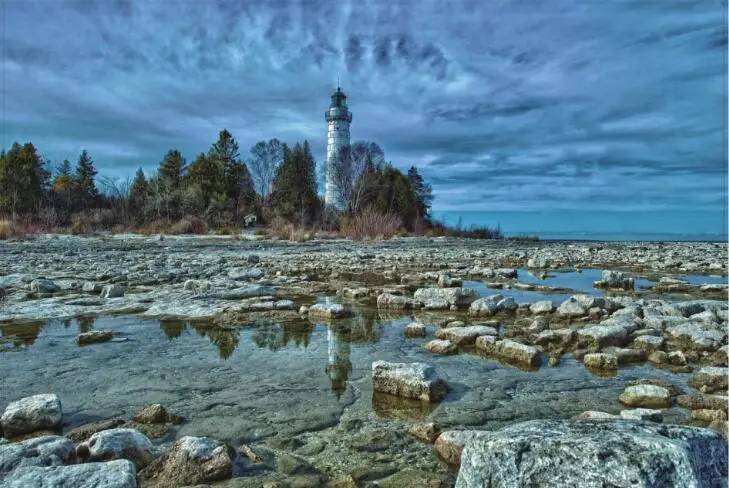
282,378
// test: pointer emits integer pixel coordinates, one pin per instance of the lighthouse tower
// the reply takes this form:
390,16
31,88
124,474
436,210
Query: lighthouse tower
338,119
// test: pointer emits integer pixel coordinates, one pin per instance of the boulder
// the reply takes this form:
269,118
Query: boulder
94,337
702,402
415,330
648,414
408,380
556,336
117,443
450,444
37,412
698,336
710,379
42,285
113,474
460,297
152,414
445,280
327,311
439,346
614,280
83,432
463,336
39,451
648,342
510,351
91,287
593,454
572,307
190,461
648,396
426,432
601,362
541,307
112,291
491,305
389,301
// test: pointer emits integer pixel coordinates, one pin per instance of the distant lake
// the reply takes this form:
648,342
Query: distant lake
599,225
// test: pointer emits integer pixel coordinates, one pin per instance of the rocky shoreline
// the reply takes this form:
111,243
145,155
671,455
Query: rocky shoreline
649,332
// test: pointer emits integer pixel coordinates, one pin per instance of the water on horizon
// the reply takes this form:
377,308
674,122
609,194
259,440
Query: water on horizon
599,225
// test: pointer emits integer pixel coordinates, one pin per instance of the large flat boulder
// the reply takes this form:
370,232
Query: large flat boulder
39,451
29,414
463,336
459,297
408,380
191,461
118,443
594,454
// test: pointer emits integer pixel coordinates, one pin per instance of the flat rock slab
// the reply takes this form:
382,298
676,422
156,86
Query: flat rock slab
36,452
510,351
463,336
710,379
594,454
408,380
441,346
117,443
648,396
113,474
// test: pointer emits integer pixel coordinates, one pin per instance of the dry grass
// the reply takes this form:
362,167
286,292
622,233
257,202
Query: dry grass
5,232
439,229
370,224
283,229
188,225
80,227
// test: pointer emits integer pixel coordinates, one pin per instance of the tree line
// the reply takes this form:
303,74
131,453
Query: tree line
219,187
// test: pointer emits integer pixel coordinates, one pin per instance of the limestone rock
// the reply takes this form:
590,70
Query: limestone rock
91,287
573,453
596,415
94,337
112,291
710,379
396,302
648,396
37,412
327,311
42,285
152,414
191,461
113,474
450,444
427,432
83,432
541,307
409,380
117,443
463,336
460,297
415,330
601,362
510,351
39,451
650,414
440,346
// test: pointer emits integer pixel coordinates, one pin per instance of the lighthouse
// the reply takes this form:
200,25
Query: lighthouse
338,118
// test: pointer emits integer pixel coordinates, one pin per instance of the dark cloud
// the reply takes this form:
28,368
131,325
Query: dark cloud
510,104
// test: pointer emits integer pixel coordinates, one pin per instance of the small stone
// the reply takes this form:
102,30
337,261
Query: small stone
440,346
415,330
649,396
601,362
37,412
152,414
94,337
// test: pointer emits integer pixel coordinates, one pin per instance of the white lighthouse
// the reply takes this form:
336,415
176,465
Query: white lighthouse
338,119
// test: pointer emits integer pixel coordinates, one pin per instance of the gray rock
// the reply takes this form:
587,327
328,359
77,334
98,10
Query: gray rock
245,274
541,307
449,444
42,285
415,330
649,414
37,412
408,380
648,342
440,346
463,336
614,280
395,302
91,287
327,311
460,297
94,336
648,396
601,362
510,351
113,474
39,451
191,461
594,454
710,379
117,444
112,291
572,307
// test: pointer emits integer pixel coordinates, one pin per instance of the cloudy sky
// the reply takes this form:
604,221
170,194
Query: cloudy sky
502,104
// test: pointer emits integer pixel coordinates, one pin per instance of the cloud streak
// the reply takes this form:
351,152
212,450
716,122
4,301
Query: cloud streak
510,104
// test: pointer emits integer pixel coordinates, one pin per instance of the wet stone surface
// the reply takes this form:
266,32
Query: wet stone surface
225,354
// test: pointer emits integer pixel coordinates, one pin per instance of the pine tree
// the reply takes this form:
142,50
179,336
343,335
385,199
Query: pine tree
84,186
138,195
172,168
208,176
22,180
62,189
294,193
423,191
238,183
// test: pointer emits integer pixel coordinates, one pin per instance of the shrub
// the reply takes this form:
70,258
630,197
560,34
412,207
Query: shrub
188,225
4,230
371,224
439,229
79,227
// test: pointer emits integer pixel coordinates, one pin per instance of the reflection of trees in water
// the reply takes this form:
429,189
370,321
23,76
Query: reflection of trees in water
225,339
277,335
67,323
21,334
363,327
85,323
173,328
339,339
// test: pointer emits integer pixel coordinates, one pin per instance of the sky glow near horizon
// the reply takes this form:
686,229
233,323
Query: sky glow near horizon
503,104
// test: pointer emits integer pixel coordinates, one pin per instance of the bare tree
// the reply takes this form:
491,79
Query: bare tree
348,171
118,193
266,156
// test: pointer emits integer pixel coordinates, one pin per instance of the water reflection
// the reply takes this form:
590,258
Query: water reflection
277,335
225,339
85,323
22,334
339,340
394,407
173,328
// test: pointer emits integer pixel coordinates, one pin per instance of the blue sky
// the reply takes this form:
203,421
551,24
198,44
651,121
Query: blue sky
502,104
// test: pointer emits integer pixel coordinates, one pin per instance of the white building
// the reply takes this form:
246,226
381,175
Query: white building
338,119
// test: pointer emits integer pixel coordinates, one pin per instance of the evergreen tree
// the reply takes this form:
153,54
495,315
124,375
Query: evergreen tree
62,189
208,176
423,192
22,179
138,195
238,184
294,195
84,185
172,168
